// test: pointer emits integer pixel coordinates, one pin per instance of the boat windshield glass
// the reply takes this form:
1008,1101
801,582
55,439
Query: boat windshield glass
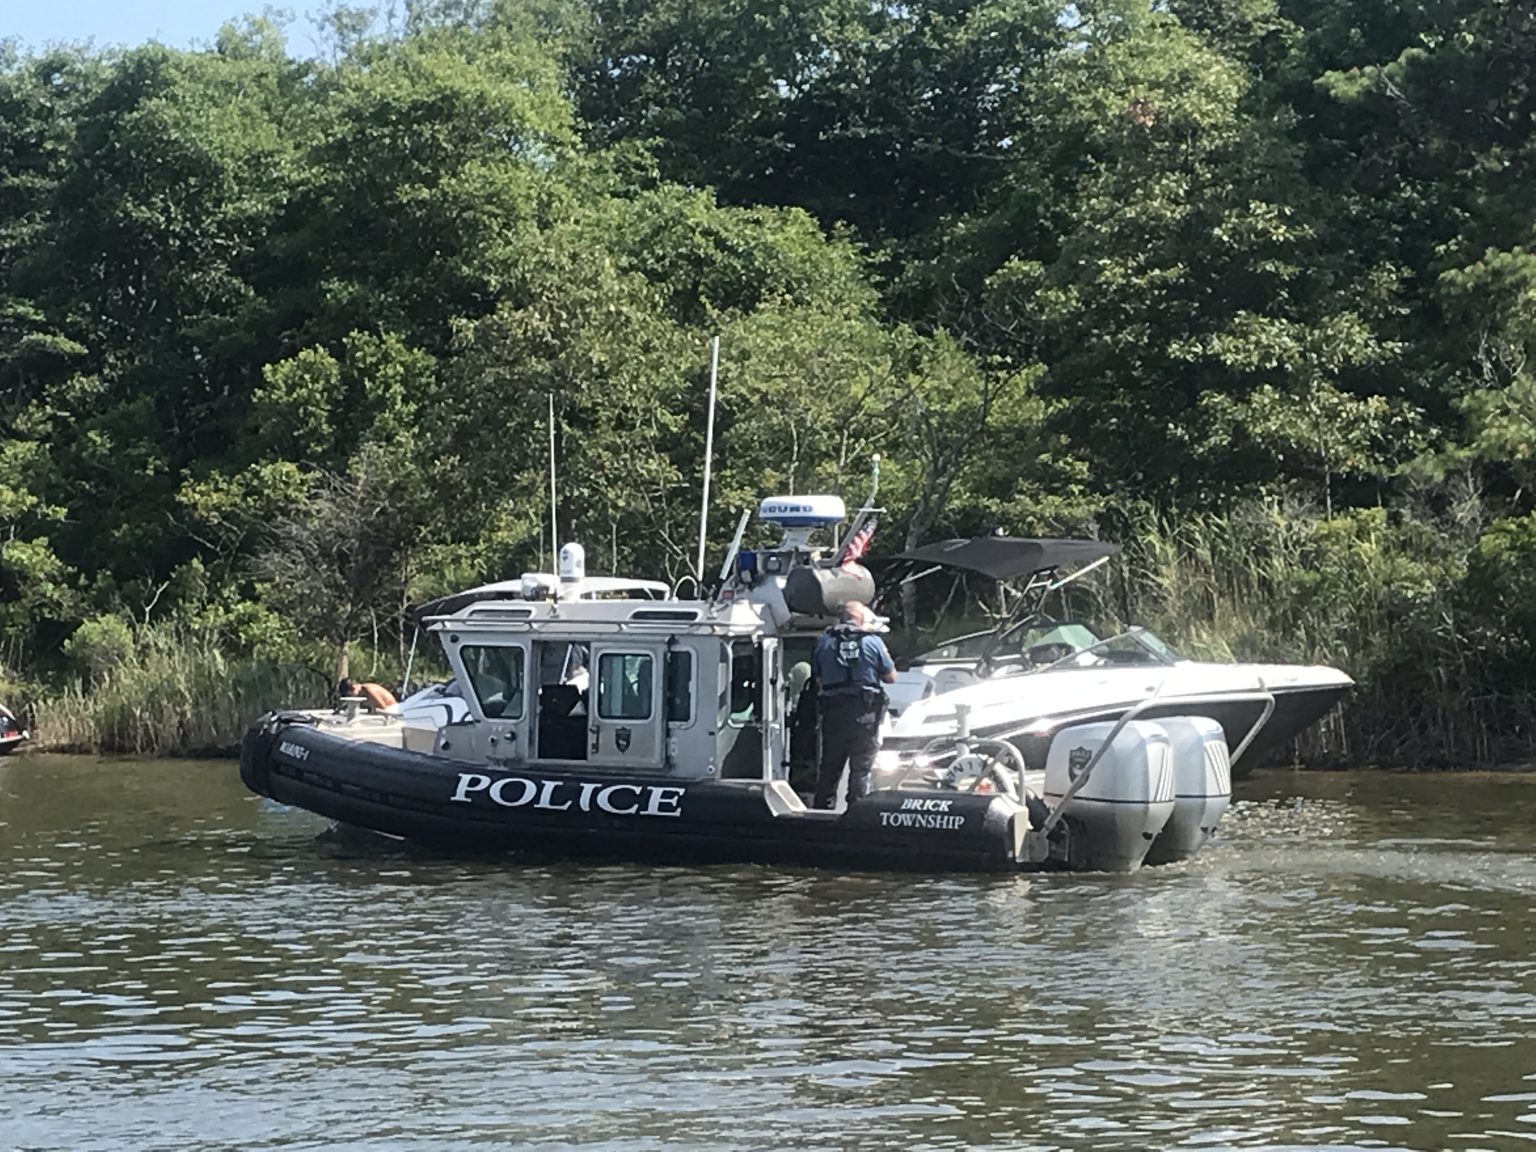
961,648
1021,642
1050,641
496,675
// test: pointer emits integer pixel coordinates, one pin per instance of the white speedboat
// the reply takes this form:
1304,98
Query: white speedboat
677,744
1032,670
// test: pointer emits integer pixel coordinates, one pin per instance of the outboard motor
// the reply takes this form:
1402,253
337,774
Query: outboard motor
1202,786
1129,794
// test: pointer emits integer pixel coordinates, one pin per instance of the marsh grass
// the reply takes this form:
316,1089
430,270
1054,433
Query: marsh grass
1427,620
1440,673
177,693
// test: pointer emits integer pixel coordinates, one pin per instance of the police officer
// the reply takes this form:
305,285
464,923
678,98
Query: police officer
849,664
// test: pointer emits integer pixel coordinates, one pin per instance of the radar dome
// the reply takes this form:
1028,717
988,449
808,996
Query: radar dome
573,563
802,511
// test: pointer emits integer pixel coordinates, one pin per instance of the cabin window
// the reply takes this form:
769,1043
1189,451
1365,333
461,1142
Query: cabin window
496,675
679,686
746,682
624,686
722,708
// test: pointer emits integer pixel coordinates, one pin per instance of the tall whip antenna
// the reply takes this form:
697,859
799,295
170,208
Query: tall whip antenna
554,531
709,453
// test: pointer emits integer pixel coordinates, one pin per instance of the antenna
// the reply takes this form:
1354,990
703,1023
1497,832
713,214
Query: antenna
867,512
730,557
554,531
709,453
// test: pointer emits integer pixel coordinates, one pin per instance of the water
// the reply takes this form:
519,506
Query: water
183,966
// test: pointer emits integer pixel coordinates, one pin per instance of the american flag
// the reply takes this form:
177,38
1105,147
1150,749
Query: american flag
858,543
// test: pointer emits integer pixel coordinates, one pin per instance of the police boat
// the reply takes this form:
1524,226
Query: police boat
688,736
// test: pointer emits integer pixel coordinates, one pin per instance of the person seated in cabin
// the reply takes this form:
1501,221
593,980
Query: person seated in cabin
576,675
376,696
575,671
799,674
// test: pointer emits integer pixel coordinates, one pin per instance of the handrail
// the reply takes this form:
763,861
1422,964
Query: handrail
564,626
1076,786
1254,729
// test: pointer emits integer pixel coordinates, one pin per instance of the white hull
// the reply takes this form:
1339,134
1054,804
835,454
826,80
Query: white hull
923,701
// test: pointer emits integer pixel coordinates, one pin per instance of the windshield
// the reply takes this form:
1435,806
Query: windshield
961,648
496,676
1048,642
975,645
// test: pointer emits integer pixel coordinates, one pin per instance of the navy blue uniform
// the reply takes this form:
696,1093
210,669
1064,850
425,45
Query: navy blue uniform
849,666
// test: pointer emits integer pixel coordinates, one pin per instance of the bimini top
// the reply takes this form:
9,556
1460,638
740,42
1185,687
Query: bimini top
1008,557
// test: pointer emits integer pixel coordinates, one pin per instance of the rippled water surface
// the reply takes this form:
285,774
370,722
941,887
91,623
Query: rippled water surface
183,966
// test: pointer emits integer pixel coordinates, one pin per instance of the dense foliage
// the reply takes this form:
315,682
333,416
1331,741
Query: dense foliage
1248,285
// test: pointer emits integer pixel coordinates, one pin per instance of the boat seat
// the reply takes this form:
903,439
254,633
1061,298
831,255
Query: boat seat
744,760
562,736
558,700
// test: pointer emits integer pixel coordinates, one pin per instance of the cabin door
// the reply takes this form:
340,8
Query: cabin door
772,689
496,676
628,723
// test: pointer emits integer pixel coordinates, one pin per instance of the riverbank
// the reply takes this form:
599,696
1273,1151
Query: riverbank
1429,625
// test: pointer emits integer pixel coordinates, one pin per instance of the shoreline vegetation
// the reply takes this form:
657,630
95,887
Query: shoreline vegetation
1246,287
1268,586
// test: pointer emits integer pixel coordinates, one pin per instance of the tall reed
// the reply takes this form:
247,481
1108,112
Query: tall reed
177,693
1384,598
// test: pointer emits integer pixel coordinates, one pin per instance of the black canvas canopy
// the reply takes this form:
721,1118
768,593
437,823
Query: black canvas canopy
1007,557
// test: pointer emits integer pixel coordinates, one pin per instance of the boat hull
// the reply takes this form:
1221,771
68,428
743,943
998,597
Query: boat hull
1005,714
474,807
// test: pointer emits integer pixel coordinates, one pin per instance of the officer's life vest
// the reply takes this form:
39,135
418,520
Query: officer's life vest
847,652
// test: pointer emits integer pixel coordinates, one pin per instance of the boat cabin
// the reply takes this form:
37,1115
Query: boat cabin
647,687
693,689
